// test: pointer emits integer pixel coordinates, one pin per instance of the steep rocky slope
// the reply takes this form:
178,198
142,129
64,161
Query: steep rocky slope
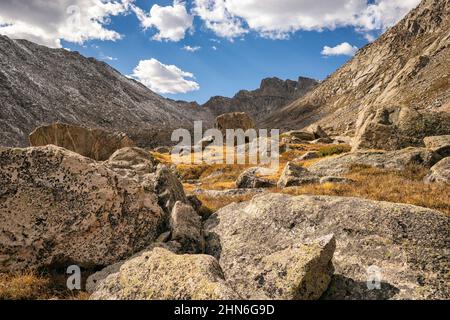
272,94
407,71
39,85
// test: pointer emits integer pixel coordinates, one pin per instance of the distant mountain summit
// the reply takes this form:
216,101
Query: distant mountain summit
395,85
272,94
39,86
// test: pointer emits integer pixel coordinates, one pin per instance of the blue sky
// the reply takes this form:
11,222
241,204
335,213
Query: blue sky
239,42
236,65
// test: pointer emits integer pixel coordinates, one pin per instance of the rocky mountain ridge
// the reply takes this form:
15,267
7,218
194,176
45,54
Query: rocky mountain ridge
272,94
39,86
407,68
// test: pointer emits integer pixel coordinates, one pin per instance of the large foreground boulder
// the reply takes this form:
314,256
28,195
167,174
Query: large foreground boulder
162,275
440,172
234,120
405,247
268,265
392,160
58,208
96,144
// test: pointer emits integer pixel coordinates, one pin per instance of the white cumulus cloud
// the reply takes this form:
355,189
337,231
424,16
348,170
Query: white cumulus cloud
163,78
278,19
217,17
191,49
343,49
172,22
384,14
49,22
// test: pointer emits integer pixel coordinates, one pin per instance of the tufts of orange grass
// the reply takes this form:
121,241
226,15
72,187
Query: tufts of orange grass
405,186
33,286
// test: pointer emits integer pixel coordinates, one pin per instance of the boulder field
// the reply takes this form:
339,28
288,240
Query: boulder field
130,218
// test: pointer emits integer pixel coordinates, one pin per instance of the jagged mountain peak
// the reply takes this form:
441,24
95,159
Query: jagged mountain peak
272,94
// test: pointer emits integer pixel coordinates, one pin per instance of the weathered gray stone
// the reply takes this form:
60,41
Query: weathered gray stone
439,144
234,120
408,244
251,178
194,201
440,172
94,280
295,175
298,136
163,149
186,228
132,162
392,160
307,156
162,275
167,187
58,207
205,142
258,267
322,141
96,144
318,132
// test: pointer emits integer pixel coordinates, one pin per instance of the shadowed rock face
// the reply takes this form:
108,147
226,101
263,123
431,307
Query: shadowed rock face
408,244
132,162
96,144
58,207
186,228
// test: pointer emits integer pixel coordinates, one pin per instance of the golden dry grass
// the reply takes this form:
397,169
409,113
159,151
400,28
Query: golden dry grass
370,183
377,184
33,286
215,203
333,150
